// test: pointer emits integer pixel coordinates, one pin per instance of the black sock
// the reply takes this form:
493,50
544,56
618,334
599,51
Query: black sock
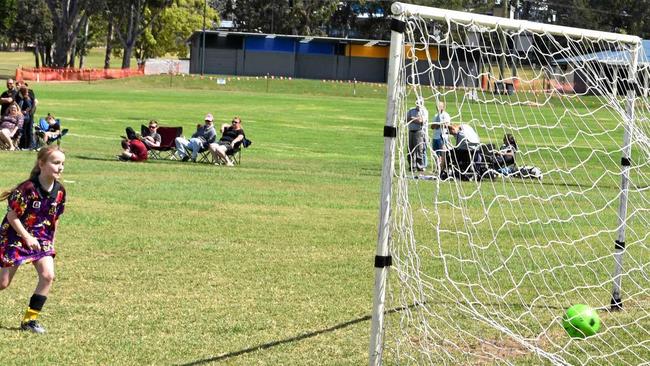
37,301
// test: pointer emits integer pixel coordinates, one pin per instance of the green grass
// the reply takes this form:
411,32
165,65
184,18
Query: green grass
266,263
169,263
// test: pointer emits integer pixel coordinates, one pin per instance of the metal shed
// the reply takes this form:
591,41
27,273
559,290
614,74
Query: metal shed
612,65
254,54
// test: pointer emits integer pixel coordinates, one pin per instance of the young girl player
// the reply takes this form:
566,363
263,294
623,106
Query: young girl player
28,230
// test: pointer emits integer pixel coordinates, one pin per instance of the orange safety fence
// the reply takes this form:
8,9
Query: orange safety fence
488,83
70,74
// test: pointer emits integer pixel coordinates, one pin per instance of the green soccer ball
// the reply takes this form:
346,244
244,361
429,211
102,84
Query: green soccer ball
581,321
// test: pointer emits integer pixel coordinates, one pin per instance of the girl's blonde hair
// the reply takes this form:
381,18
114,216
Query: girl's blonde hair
42,156
18,110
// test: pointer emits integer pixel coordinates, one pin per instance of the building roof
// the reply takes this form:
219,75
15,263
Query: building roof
610,57
304,39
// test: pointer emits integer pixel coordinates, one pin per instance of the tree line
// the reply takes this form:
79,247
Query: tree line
368,19
60,32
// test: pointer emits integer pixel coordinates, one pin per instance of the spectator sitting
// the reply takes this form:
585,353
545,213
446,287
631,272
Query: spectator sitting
8,97
467,140
133,148
150,136
49,130
10,124
204,136
505,157
231,137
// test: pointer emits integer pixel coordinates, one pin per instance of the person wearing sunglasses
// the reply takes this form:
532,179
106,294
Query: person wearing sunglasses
8,97
151,137
232,135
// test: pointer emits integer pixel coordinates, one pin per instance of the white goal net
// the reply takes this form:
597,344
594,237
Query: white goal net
491,244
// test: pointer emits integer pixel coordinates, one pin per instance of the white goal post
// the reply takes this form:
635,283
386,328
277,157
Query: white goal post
485,258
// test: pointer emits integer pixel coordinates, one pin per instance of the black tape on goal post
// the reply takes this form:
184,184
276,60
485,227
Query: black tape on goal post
397,25
626,161
382,261
390,131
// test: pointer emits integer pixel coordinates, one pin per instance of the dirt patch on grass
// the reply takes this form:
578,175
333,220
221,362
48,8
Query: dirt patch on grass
478,352
489,351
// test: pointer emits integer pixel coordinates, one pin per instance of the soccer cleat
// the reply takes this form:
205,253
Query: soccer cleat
33,326
185,158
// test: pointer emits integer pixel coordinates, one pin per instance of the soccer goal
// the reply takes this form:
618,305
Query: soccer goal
478,260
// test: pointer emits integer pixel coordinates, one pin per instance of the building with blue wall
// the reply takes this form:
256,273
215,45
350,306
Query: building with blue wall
252,54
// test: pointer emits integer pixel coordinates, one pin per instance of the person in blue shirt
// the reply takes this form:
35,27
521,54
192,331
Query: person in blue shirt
49,130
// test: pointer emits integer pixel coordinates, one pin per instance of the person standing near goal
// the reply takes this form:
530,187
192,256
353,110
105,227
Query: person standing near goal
418,119
440,126
28,229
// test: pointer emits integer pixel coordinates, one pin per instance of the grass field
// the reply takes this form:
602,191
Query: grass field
169,263
266,263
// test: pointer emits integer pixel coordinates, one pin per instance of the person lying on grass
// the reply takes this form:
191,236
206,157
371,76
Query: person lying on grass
133,149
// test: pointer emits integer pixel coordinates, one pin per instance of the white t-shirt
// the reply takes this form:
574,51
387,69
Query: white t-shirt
467,137
443,119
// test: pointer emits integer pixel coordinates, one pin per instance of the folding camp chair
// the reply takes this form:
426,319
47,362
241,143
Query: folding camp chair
492,161
204,156
462,163
236,153
15,139
167,147
43,127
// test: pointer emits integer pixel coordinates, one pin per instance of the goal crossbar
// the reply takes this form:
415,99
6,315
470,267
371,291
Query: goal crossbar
402,9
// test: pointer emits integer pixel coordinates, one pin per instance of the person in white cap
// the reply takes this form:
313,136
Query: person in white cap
204,136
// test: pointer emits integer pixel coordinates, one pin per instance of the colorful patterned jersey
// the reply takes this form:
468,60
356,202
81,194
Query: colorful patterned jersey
38,211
